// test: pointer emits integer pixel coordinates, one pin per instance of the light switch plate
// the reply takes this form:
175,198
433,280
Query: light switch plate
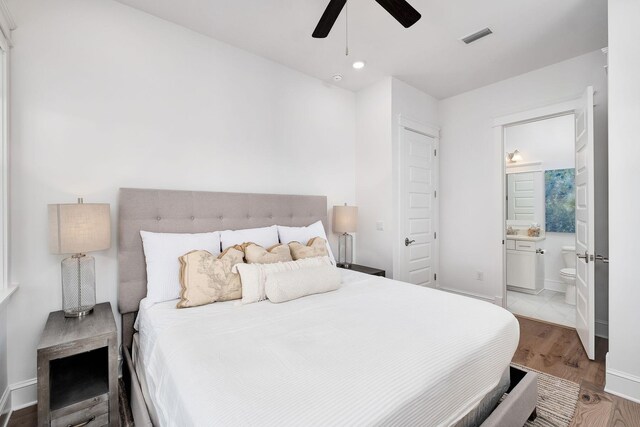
380,226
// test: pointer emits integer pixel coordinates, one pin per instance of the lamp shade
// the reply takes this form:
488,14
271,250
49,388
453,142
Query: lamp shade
79,228
345,219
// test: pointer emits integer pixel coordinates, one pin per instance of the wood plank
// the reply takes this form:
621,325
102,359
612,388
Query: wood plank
557,350
625,414
27,417
594,406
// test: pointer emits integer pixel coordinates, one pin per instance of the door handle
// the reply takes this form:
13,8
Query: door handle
585,257
604,259
407,242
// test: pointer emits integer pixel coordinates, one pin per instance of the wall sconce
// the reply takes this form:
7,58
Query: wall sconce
514,157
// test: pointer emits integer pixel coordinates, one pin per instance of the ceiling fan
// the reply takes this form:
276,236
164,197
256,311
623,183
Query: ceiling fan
399,9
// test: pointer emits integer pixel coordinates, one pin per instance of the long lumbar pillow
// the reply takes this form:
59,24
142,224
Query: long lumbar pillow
282,286
253,276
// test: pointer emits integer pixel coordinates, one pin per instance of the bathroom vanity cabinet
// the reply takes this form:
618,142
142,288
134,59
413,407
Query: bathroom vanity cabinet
525,264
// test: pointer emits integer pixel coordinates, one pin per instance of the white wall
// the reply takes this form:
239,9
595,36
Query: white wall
623,364
374,184
378,108
105,96
551,142
470,164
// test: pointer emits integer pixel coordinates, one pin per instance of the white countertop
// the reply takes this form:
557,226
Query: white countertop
526,238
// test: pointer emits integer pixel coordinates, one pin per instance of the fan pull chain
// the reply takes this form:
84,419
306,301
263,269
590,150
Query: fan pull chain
346,33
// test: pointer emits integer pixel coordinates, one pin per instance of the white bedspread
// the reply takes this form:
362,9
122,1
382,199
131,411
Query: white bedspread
375,352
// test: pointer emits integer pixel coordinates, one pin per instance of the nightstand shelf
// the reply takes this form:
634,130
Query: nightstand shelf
363,269
78,378
78,370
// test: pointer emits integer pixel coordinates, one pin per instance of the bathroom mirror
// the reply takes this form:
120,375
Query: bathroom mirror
525,198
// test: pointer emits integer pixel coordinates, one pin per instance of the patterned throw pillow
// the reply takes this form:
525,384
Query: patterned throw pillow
205,278
316,247
256,254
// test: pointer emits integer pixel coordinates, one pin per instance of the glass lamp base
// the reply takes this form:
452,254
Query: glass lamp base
78,285
345,250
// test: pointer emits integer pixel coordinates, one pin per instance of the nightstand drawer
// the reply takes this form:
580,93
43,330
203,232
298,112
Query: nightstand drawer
87,413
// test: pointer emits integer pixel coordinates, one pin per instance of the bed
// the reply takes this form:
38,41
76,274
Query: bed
375,352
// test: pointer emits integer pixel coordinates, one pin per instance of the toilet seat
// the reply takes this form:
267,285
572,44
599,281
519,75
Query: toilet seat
570,272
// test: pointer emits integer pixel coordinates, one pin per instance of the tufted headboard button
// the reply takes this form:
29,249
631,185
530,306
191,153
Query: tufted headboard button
193,218
158,218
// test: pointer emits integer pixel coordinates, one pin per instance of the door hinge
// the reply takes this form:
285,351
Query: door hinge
435,152
435,235
435,194
435,277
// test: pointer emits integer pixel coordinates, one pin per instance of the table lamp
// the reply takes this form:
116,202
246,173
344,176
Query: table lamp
345,221
76,229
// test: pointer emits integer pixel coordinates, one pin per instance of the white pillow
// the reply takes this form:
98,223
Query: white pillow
161,252
282,286
253,276
304,234
265,237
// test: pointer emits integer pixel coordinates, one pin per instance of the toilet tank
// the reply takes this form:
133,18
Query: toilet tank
569,256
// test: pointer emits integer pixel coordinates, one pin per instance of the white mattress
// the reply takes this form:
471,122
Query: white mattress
375,352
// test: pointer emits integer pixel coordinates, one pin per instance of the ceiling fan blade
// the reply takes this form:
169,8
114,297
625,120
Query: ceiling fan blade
328,18
402,11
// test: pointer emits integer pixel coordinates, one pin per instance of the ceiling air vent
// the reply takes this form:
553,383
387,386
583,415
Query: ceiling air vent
477,36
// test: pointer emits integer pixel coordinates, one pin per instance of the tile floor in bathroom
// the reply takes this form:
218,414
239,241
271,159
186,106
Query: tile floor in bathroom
548,306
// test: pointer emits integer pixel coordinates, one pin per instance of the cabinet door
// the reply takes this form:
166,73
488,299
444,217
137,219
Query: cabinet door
521,269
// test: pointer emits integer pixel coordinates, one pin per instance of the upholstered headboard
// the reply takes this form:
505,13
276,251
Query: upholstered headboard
193,212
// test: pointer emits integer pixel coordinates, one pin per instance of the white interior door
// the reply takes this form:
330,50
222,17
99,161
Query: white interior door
585,226
418,176
521,196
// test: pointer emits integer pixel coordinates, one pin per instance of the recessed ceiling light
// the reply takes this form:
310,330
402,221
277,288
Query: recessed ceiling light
337,77
359,65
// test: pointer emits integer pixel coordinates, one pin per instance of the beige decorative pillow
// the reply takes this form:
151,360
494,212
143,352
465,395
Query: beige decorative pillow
316,247
205,278
281,286
256,254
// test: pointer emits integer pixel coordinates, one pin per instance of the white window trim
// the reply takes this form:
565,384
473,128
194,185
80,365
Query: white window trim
6,26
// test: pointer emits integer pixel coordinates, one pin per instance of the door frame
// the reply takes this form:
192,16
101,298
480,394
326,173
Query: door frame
500,124
403,122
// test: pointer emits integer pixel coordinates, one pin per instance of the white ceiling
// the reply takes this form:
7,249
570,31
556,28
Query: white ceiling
528,34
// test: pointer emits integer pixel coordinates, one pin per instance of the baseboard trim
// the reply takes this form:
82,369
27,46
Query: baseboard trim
5,407
622,384
24,394
554,285
602,329
469,294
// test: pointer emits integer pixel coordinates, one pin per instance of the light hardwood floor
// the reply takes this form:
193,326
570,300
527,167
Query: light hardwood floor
553,349
556,350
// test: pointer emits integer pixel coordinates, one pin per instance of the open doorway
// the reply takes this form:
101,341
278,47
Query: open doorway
540,219
581,111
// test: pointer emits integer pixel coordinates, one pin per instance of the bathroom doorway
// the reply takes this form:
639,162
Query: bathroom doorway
540,219
551,257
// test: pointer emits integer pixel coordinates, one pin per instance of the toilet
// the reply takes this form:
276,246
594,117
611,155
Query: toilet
568,273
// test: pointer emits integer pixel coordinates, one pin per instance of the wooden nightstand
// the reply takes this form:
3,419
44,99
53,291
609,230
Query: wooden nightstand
78,370
364,269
